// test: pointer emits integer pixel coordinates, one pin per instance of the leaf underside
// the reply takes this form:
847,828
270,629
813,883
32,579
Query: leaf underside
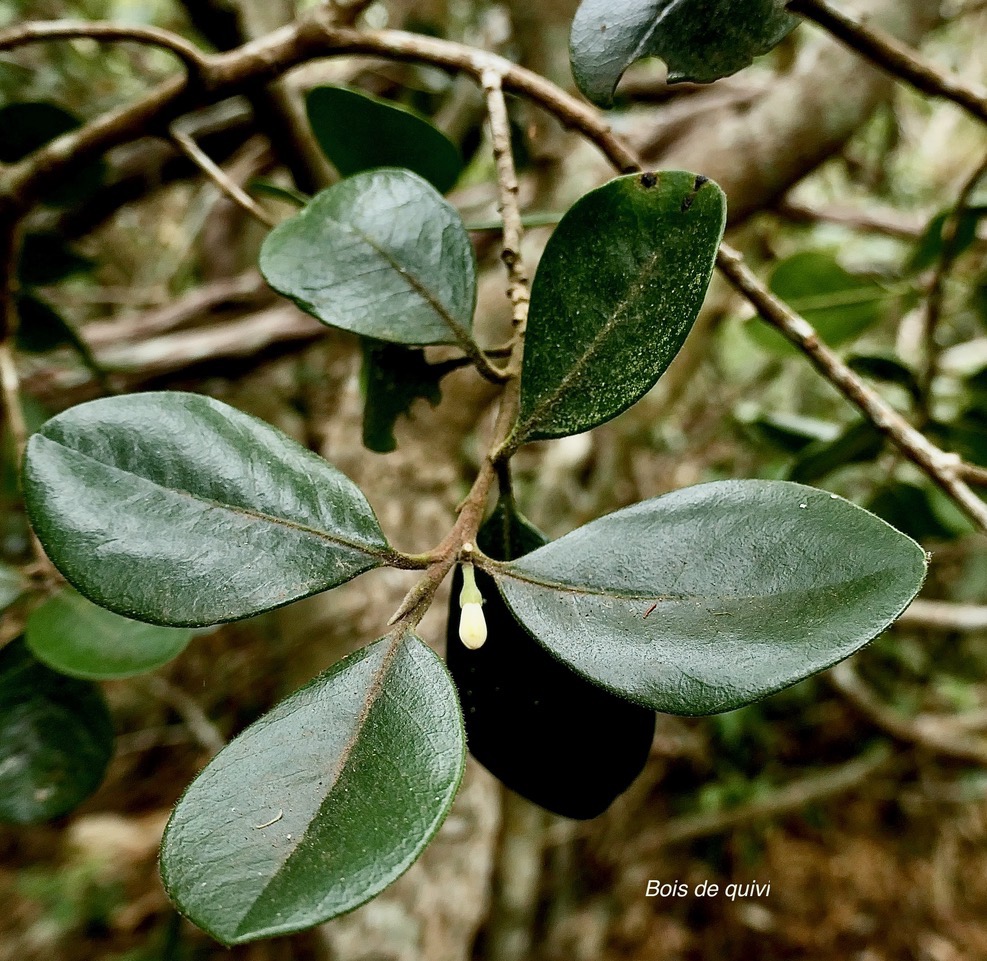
712,597
699,40
56,738
544,731
179,510
322,802
380,254
74,636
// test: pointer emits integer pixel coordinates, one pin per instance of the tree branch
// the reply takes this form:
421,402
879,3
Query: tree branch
191,56
944,469
893,56
787,799
513,232
938,734
219,177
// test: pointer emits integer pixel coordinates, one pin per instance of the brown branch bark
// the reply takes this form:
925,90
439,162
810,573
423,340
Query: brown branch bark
893,56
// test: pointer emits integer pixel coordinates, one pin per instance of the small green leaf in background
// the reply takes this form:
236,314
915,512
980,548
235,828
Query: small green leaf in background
790,433
28,125
56,738
180,510
911,509
75,637
381,254
888,369
321,803
700,40
860,442
42,328
838,304
715,596
358,132
544,731
929,247
617,290
394,377
46,259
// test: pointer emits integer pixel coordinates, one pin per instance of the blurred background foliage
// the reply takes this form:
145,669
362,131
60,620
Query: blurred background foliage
874,839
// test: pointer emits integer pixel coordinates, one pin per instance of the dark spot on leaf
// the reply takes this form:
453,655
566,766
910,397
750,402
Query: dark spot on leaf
689,199
649,180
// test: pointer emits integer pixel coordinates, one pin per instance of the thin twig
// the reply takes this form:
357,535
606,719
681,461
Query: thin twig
190,55
944,616
189,710
891,223
893,56
935,298
942,468
936,733
512,230
10,386
811,789
219,177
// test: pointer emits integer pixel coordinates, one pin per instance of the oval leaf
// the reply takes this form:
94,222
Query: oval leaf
78,638
381,254
180,510
544,731
321,803
357,132
617,290
56,738
712,597
840,305
699,40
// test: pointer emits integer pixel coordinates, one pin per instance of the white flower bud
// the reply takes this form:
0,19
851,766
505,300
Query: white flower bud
472,624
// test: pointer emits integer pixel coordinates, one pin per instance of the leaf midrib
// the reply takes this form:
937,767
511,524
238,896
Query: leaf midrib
562,588
549,401
460,332
383,554
374,689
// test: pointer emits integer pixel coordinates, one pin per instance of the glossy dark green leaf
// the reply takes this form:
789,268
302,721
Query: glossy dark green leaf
321,803
381,254
394,377
28,125
859,443
74,636
358,132
46,259
56,738
617,290
180,510
712,597
544,731
840,305
699,40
